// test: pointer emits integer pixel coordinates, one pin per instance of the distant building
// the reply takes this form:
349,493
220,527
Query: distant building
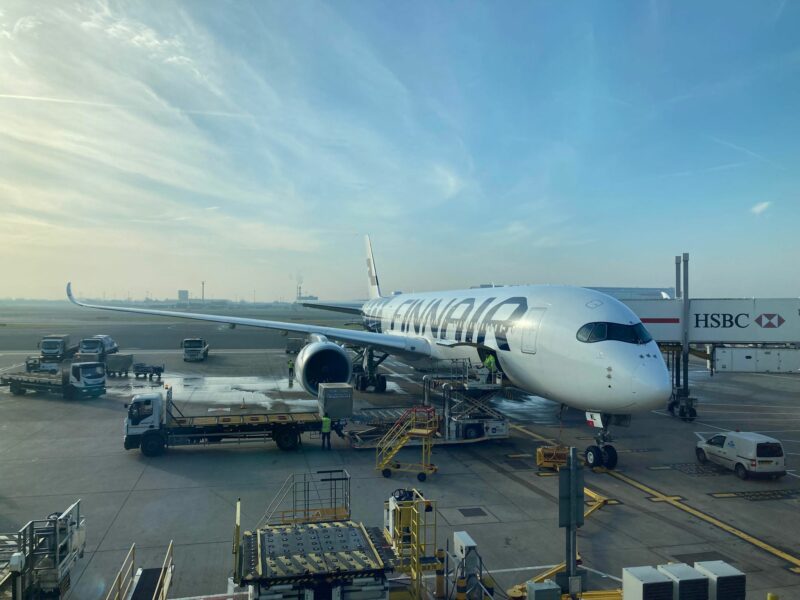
304,298
183,295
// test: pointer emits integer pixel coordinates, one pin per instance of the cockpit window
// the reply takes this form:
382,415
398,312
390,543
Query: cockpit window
600,332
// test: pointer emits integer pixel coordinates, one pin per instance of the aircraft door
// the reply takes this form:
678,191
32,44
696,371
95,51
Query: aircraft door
531,323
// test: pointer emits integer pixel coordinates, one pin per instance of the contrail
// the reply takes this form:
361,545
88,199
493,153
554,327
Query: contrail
209,113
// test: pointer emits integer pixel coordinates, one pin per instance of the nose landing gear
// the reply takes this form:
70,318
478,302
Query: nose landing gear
602,454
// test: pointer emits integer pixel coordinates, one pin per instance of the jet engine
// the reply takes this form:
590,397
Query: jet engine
322,361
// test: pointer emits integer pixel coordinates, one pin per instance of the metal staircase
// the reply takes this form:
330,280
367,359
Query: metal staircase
418,422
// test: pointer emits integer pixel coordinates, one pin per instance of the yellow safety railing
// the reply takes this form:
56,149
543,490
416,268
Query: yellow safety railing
165,579
124,579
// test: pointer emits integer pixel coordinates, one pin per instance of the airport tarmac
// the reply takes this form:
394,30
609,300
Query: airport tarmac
667,508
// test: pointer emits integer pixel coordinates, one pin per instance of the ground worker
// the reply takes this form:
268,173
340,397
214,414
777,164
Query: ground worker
291,369
326,432
490,363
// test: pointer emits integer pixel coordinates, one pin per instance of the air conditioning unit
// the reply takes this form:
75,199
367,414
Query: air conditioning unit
688,583
645,583
546,590
724,581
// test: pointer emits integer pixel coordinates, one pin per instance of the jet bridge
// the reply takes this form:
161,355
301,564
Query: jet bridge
722,320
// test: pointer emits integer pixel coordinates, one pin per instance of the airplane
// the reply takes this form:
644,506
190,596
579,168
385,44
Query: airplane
572,345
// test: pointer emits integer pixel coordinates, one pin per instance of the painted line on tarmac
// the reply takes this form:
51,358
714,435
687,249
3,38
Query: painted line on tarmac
400,375
674,501
4,369
657,496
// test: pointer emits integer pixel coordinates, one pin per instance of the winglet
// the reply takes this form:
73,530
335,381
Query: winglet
372,272
69,294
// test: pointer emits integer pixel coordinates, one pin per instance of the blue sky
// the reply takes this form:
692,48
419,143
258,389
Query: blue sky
520,142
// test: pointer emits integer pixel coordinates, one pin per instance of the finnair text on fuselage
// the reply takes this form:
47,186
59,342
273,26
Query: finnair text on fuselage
461,318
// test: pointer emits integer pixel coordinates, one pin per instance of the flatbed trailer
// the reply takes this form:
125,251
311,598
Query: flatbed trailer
78,379
154,424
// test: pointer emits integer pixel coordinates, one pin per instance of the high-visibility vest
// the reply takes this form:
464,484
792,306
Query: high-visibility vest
291,364
326,424
489,363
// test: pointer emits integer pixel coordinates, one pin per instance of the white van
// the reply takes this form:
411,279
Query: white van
744,452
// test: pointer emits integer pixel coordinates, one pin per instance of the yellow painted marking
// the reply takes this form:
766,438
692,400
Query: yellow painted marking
535,436
546,473
689,509
709,519
666,499
724,495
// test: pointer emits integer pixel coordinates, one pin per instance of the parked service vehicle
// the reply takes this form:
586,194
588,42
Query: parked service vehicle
98,344
746,453
148,371
154,424
194,349
295,344
56,347
79,379
118,365
35,364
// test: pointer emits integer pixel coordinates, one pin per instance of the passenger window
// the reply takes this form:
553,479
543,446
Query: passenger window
717,440
599,332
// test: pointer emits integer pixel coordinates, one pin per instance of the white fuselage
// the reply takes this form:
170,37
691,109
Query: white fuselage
533,331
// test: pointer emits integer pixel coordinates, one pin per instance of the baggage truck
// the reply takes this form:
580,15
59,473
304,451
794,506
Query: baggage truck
118,365
75,381
154,424
56,347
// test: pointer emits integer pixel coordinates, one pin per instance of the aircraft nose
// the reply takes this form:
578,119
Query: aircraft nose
651,385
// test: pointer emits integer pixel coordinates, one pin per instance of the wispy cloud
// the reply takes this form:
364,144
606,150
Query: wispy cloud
760,208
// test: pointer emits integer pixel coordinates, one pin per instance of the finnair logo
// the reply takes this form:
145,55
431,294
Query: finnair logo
769,320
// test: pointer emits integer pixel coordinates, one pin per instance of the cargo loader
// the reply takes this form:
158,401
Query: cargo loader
154,423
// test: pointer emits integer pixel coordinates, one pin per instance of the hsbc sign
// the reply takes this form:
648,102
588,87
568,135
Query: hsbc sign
736,320
722,320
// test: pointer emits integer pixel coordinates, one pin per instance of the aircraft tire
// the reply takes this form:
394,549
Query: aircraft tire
691,415
609,455
593,456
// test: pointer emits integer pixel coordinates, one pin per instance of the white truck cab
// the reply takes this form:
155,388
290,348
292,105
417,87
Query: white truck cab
98,344
194,349
745,453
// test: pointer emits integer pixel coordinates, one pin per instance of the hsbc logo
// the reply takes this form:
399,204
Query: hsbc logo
736,321
769,320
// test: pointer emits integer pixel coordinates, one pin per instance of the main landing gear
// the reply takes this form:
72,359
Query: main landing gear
602,454
365,371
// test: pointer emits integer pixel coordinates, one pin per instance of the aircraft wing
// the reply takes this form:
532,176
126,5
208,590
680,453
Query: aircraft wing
350,308
393,344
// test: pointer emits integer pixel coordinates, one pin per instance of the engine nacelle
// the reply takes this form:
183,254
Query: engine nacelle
322,362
